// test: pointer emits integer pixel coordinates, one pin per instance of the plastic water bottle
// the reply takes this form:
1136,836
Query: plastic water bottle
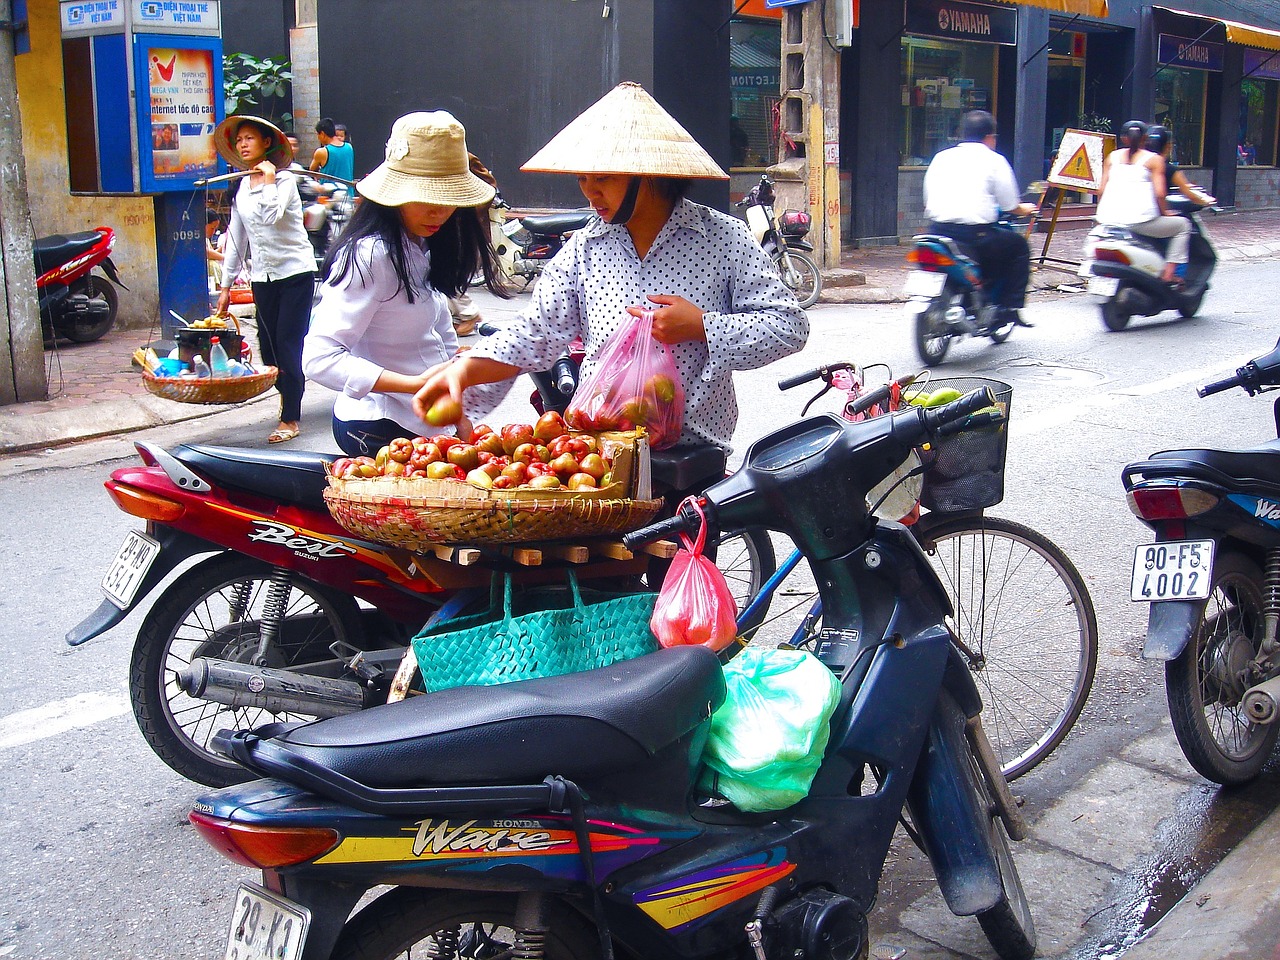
200,367
218,364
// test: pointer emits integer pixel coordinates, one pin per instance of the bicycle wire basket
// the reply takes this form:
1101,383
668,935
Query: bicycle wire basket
965,471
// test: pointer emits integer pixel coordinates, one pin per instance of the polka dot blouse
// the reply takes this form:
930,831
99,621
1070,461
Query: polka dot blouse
707,257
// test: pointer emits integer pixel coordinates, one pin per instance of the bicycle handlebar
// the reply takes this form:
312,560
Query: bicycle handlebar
817,373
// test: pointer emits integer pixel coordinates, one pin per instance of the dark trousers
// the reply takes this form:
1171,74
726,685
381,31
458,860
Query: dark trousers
1003,257
363,438
284,315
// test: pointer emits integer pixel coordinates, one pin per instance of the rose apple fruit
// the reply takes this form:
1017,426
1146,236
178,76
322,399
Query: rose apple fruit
582,481
594,465
514,434
549,426
463,455
440,470
548,481
478,478
566,464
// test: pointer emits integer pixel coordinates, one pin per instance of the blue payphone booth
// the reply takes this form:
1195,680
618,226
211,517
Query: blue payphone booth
156,68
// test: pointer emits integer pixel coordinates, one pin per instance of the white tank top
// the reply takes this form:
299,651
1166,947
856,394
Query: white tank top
1130,198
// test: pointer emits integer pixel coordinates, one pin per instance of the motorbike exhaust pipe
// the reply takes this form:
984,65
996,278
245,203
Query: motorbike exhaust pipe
1262,703
279,691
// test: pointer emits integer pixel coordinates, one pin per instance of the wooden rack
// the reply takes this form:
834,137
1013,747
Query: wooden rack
533,556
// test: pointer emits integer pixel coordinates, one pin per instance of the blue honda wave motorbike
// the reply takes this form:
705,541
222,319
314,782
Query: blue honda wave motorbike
567,818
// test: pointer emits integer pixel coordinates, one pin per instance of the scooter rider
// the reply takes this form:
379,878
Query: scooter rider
717,298
966,189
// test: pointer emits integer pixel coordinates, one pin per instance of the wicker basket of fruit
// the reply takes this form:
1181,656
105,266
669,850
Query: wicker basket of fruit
519,484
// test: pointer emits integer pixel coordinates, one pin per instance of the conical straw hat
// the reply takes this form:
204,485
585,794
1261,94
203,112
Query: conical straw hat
626,132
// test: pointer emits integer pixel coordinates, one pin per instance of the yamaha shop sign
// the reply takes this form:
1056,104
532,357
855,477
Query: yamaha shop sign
961,20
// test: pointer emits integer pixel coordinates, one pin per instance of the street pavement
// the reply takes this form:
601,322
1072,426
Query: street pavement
1233,912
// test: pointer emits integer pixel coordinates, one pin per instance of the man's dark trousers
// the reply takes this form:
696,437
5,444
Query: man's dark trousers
1003,257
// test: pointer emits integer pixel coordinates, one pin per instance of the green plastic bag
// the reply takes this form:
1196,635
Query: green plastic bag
768,737
501,646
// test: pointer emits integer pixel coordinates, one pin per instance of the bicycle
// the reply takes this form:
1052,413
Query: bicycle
1023,616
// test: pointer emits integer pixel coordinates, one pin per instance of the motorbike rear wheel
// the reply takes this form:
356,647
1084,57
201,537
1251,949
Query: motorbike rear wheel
1206,682
91,327
216,609
410,922
933,335
1114,317
801,275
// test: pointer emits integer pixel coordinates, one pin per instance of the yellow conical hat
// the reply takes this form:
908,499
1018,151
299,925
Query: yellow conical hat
626,132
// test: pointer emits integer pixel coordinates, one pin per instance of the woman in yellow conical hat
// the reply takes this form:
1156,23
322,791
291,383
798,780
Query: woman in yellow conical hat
716,297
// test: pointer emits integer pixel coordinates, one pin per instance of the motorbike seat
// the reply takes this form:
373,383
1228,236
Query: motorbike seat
957,251
1255,466
579,726
294,477
554,224
685,468
56,250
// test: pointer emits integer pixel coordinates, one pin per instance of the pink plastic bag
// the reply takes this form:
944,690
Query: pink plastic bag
635,384
695,605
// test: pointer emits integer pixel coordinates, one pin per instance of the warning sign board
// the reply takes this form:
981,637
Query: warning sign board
1078,165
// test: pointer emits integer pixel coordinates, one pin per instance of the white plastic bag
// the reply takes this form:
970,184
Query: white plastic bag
768,737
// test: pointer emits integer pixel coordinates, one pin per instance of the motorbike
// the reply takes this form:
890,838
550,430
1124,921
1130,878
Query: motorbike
566,817
1212,577
286,615
947,298
783,239
76,303
326,208
1123,268
525,244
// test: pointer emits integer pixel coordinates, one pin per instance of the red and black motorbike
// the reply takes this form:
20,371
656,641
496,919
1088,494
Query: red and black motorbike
286,615
75,303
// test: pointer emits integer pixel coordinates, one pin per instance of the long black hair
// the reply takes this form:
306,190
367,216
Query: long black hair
459,250
1133,134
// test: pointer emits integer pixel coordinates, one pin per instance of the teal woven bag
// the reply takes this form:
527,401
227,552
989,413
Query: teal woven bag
499,647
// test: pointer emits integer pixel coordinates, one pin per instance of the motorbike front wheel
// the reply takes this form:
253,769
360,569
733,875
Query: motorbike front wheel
800,274
91,327
410,922
1207,681
933,334
217,609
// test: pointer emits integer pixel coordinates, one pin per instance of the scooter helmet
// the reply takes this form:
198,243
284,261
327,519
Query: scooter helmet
1158,138
1132,133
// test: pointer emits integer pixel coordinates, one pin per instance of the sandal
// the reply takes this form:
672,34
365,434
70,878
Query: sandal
281,434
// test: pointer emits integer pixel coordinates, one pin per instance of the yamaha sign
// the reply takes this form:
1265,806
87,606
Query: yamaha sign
961,20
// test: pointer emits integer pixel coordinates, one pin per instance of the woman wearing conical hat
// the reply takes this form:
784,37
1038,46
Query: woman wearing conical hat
717,298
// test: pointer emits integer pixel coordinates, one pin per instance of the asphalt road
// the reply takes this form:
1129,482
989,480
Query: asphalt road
97,859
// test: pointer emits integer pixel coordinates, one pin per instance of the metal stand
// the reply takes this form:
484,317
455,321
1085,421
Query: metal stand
1053,223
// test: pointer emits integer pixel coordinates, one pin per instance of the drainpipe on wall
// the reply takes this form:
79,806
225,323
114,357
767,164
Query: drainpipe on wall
22,375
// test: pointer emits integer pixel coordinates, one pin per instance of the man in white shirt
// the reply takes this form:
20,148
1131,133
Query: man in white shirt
966,189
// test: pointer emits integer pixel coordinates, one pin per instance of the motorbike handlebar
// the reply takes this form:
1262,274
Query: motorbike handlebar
878,395
680,523
967,413
1217,386
817,373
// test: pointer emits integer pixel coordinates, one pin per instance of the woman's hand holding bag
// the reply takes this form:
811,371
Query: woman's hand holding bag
695,605
634,384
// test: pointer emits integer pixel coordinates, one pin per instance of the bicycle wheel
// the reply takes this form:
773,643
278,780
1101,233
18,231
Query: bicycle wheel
1026,624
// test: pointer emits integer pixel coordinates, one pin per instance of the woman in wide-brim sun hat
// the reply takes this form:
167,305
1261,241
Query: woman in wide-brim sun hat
383,318
716,297
266,230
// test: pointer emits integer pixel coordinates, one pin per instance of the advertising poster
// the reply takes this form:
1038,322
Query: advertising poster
183,112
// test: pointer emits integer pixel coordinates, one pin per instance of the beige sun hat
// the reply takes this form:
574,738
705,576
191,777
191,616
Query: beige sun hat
224,141
626,132
426,163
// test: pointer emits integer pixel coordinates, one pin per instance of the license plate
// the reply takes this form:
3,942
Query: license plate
512,227
1103,286
923,284
1178,570
131,564
265,925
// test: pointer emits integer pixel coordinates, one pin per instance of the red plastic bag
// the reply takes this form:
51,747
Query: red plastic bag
635,384
695,605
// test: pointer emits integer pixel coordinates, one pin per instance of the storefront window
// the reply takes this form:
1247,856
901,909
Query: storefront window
1257,143
755,78
1180,100
941,80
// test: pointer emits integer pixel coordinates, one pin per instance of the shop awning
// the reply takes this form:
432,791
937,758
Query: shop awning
1087,8
1237,32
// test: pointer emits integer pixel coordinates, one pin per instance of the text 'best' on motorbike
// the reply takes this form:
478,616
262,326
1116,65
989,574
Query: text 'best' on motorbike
75,303
566,817
1123,268
1212,577
947,297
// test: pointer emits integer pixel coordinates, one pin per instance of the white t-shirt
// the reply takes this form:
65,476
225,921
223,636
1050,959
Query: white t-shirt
969,183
